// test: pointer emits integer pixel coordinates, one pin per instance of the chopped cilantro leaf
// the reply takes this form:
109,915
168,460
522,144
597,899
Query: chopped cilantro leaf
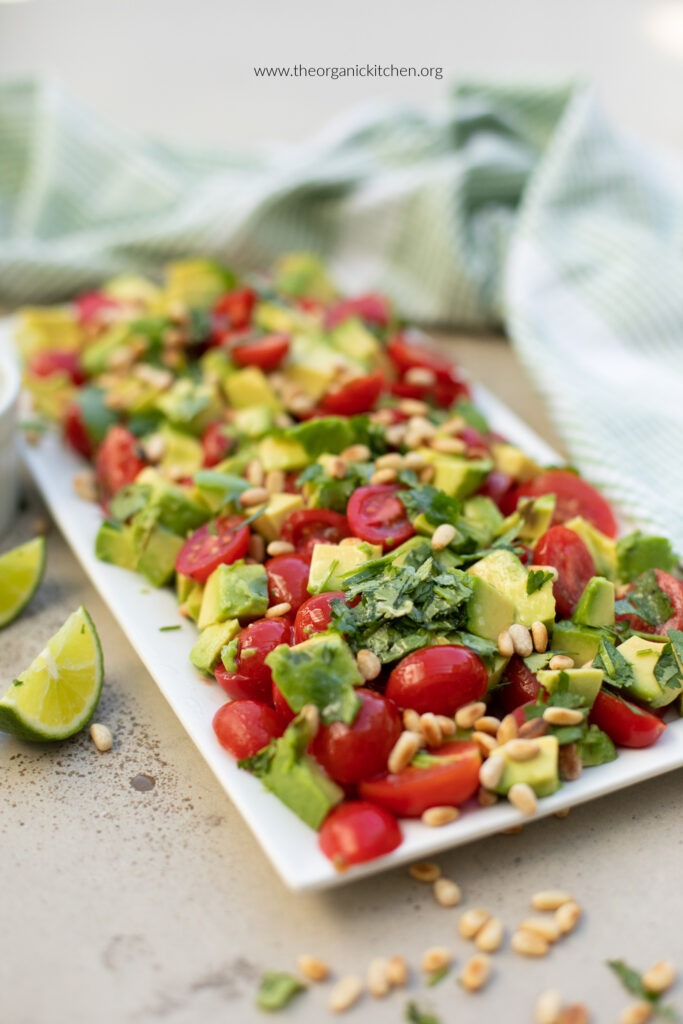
277,989
472,416
433,504
618,670
595,747
168,629
647,600
633,982
438,975
414,1015
537,579
667,669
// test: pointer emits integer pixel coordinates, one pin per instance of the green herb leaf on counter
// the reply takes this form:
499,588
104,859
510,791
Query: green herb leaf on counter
646,600
277,989
618,670
632,981
436,976
168,629
414,1015
536,579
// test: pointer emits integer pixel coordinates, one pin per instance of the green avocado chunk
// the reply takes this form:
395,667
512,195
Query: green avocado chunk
174,509
114,543
596,604
540,772
320,671
156,548
237,591
504,571
489,612
645,657
207,649
331,561
457,476
602,548
580,642
582,682
638,552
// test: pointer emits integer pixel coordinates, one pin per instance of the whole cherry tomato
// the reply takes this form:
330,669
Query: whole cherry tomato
288,580
575,497
354,397
118,461
349,753
314,615
358,831
626,724
245,726
252,678
439,679
266,352
519,685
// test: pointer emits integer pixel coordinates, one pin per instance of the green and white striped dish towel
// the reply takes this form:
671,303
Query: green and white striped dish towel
512,205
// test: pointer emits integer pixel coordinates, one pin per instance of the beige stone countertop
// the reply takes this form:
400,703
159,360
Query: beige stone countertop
122,906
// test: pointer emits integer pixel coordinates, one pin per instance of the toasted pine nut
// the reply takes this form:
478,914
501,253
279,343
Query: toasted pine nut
574,1013
404,750
448,445
85,485
369,664
560,662
447,893
562,813
395,434
430,729
539,635
392,460
377,977
280,547
424,871
636,1013
276,610
101,737
486,743
472,922
335,467
414,460
543,926
421,376
427,475
507,730
521,750
446,724
356,453
523,798
486,798
454,425
528,943
255,473
413,407
490,937
532,729
312,967
467,715
521,640
548,1007
154,448
257,547
563,716
411,720
491,771
275,481
254,496
443,535
489,724
550,899
397,971
659,977
345,993
568,916
383,417
435,817
383,476
435,958
476,972
505,644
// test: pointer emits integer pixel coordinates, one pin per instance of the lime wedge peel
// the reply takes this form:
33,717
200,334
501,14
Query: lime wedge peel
21,571
58,693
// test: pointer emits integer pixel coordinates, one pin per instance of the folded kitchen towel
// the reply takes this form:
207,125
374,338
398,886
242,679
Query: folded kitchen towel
512,205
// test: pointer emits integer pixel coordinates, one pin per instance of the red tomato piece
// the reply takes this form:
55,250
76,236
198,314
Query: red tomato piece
288,580
376,514
76,432
314,615
626,724
519,686
372,308
267,352
496,486
349,753
216,443
233,309
439,679
310,526
92,307
245,726
356,396
118,461
51,361
409,355
673,589
575,497
219,542
451,778
280,704
252,678
566,552
443,393
358,831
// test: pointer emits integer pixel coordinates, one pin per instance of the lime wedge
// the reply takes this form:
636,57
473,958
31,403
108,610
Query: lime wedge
21,571
58,693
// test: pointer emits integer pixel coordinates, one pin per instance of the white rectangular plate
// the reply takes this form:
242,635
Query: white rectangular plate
291,845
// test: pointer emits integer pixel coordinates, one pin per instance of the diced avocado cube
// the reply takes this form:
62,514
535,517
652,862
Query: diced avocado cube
180,452
302,275
320,671
413,552
157,550
272,317
237,591
132,288
280,507
197,282
189,593
482,515
540,772
249,387
354,339
114,543
282,453
536,515
457,476
596,604
504,571
255,421
643,656
489,612
184,585
514,462
207,650
583,682
331,561
311,378
602,548
579,642
51,327
190,406
325,435
638,552
496,670
172,506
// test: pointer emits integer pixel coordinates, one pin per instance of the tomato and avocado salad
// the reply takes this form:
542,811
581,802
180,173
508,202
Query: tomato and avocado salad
388,591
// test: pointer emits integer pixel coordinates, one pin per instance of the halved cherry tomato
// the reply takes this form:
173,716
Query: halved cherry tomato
76,432
376,514
451,777
314,615
349,753
575,497
245,726
232,311
51,361
408,355
496,486
118,461
442,393
357,831
356,396
93,307
310,526
673,589
279,702
267,352
219,542
625,724
216,443
519,685
439,679
566,552
288,580
252,678
372,308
